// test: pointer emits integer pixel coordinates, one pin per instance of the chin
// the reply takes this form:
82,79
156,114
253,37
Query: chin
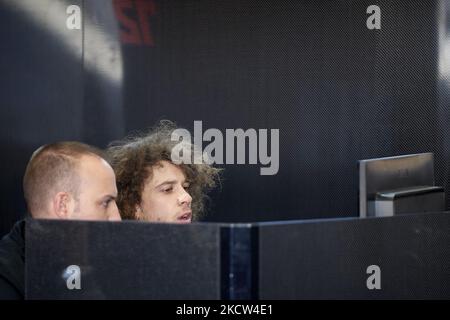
183,221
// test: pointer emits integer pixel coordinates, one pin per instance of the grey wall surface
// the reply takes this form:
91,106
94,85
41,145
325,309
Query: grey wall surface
337,91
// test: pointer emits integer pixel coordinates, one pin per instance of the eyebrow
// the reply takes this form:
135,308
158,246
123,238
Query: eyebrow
166,182
108,197
171,182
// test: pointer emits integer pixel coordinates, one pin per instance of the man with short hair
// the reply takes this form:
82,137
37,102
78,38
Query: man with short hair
64,180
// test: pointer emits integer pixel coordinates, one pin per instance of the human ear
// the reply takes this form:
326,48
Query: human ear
138,212
63,205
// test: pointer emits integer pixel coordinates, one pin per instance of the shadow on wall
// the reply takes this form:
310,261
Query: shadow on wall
52,90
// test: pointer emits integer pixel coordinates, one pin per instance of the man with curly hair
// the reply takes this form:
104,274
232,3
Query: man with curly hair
152,186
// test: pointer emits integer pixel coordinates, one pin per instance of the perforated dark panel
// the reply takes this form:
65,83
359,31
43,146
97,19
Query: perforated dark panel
337,91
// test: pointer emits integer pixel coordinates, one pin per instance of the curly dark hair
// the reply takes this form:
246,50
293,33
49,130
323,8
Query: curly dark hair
133,158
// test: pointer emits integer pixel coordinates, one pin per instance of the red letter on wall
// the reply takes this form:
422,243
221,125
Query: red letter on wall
132,36
146,9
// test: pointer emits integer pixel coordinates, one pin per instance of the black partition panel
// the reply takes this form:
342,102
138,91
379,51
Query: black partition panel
335,259
374,258
124,260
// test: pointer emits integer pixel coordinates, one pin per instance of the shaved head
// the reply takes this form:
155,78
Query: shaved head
54,168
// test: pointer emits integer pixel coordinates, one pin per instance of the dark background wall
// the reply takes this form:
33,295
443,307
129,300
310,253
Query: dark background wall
337,91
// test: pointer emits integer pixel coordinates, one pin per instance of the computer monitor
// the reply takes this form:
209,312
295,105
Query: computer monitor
396,185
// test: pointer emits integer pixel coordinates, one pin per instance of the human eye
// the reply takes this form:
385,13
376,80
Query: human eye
105,204
186,185
167,189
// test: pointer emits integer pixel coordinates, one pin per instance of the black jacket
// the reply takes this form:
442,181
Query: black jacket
12,263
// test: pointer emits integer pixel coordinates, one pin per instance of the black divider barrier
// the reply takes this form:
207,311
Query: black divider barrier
373,258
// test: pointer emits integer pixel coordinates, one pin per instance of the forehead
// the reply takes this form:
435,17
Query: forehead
166,171
93,167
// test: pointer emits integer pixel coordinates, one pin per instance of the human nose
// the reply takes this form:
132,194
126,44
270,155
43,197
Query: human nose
114,214
185,198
